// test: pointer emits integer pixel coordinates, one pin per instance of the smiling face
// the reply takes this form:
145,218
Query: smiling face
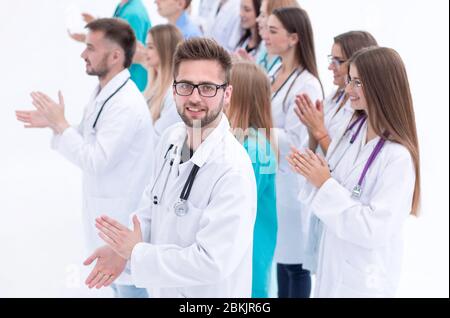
355,91
196,108
339,69
248,14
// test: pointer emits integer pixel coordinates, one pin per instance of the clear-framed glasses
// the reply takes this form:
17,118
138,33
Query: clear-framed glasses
205,90
356,82
335,61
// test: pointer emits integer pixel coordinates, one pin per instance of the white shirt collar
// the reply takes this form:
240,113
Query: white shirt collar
211,142
112,86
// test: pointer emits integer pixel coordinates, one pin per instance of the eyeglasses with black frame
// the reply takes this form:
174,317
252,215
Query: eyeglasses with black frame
205,90
356,82
335,61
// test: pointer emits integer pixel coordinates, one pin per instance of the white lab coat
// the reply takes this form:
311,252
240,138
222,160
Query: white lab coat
360,247
168,117
336,123
224,27
290,131
208,252
114,158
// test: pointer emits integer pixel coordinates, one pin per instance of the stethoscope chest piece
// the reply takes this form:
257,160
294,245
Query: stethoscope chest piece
180,208
356,192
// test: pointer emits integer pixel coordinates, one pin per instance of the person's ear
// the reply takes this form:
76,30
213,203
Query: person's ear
181,4
117,56
227,95
293,39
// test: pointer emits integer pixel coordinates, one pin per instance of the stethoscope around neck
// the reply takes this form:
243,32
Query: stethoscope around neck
180,207
106,101
296,74
357,189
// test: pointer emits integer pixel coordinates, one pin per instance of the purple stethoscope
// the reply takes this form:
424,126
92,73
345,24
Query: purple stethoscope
357,189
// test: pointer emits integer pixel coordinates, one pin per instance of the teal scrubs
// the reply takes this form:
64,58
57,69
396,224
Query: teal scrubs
135,13
266,62
264,164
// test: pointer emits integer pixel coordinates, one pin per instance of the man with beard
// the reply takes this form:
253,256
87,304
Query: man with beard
135,13
193,233
113,143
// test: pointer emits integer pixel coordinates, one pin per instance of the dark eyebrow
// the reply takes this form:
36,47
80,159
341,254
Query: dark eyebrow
201,83
273,28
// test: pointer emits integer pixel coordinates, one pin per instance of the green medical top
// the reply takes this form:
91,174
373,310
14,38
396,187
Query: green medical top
135,13
264,163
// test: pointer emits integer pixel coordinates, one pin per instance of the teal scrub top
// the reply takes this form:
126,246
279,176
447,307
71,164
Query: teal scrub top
265,61
264,163
135,13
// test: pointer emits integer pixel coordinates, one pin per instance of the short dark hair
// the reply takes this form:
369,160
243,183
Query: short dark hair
195,49
118,31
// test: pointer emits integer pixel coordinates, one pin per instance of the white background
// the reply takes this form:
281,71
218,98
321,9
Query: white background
41,242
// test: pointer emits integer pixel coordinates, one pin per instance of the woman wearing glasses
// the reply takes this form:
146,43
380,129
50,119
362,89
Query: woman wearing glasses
369,182
162,41
325,120
328,118
290,37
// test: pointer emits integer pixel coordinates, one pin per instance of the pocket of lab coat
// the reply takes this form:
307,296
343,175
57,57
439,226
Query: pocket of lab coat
188,225
360,283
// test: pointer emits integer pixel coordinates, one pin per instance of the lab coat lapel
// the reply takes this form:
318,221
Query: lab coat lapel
91,107
181,171
112,86
364,152
99,96
204,151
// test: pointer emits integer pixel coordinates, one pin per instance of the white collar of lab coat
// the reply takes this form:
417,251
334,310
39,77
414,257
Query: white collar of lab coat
348,106
112,86
211,142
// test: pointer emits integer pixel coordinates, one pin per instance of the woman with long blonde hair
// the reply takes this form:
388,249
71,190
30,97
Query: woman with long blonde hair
162,41
249,113
374,183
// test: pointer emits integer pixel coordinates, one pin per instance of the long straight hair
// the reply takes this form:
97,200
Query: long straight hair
296,20
247,34
389,102
250,104
351,42
166,38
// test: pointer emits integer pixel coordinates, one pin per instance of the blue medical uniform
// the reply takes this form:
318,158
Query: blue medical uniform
188,28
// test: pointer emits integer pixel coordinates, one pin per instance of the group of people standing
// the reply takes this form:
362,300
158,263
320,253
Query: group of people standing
212,153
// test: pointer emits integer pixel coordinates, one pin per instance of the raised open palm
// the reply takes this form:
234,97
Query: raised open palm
32,119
